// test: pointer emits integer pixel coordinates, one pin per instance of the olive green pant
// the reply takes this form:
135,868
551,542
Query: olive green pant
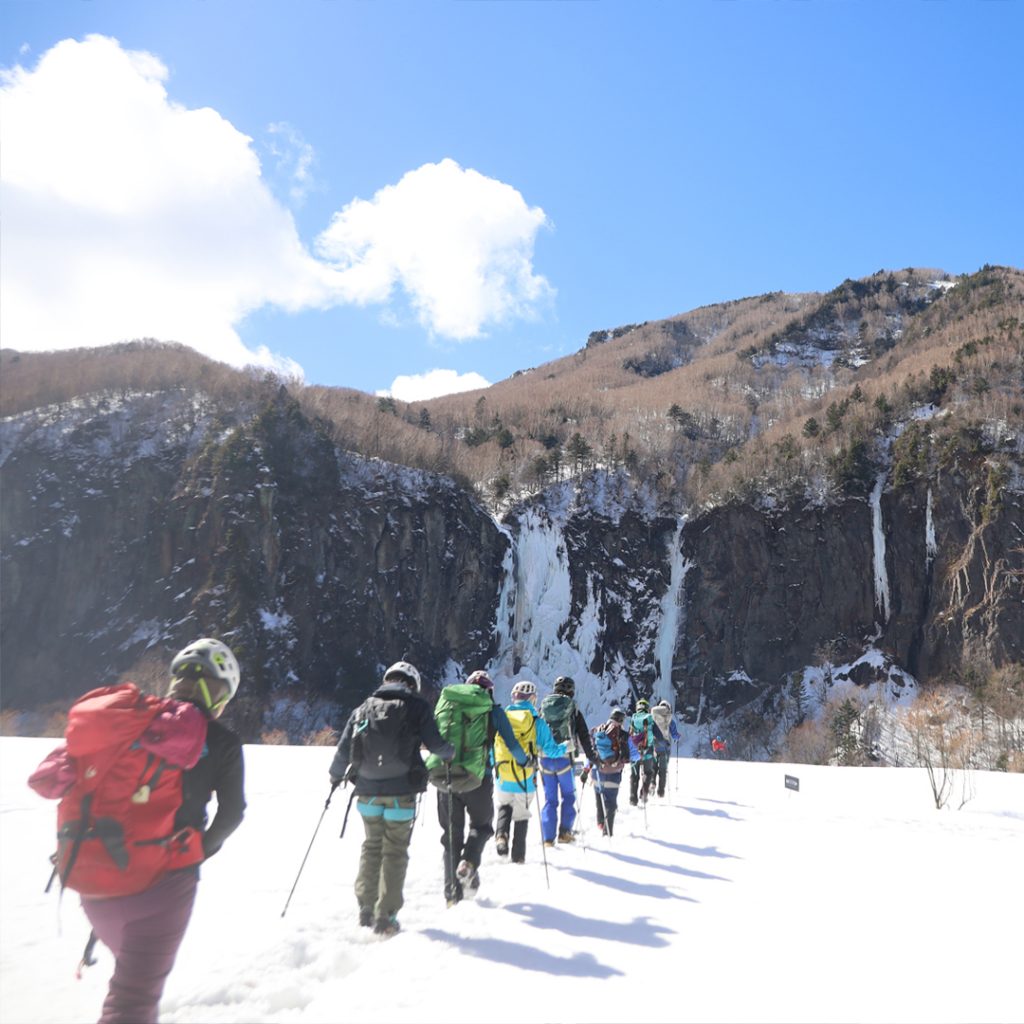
388,821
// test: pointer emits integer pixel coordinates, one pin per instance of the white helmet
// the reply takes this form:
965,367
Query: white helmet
404,672
202,662
524,690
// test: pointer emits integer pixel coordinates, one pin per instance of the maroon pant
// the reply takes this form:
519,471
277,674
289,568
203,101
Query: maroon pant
143,932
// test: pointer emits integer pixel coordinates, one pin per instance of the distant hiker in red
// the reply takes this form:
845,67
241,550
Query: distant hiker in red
134,778
718,745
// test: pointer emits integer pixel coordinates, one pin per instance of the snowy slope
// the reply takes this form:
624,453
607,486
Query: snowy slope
734,899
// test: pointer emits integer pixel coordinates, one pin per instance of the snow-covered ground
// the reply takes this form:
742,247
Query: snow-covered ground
734,899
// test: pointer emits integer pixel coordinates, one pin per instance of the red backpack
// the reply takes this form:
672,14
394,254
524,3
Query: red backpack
119,779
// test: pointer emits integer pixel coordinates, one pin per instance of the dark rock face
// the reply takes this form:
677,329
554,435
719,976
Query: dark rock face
130,527
316,567
770,590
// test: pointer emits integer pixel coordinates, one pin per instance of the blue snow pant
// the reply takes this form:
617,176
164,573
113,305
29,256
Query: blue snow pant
558,782
606,792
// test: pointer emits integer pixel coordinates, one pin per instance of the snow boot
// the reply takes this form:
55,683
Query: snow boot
565,836
365,917
469,879
501,844
386,927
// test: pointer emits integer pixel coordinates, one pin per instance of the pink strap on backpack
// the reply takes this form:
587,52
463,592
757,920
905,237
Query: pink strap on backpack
55,774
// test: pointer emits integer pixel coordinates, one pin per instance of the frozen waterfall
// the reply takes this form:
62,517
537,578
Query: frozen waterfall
671,616
878,541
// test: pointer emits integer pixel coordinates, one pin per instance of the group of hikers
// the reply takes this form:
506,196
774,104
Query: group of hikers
136,773
481,757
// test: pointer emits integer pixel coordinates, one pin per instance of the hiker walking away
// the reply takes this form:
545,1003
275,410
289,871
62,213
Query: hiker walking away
379,752
611,744
641,752
516,785
134,778
468,717
665,731
565,720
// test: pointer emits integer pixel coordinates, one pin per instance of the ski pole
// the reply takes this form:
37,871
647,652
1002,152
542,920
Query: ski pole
327,803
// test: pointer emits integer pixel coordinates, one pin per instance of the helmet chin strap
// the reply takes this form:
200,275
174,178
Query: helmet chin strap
210,705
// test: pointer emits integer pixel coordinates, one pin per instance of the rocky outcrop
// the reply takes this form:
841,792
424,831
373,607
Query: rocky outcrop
130,526
129,530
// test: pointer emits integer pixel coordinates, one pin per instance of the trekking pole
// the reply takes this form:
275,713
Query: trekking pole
578,797
540,823
599,784
87,956
344,821
327,803
451,830
677,765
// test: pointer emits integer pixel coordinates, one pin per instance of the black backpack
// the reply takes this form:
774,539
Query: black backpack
384,745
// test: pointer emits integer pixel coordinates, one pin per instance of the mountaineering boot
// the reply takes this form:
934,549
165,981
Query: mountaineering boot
501,844
469,879
365,917
549,842
565,836
386,927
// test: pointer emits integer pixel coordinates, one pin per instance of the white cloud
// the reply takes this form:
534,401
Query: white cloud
294,157
419,387
127,215
459,244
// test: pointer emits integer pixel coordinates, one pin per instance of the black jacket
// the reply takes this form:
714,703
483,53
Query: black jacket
220,770
583,737
420,729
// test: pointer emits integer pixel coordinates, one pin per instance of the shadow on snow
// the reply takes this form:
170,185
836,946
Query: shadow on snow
674,868
579,965
697,851
639,932
658,892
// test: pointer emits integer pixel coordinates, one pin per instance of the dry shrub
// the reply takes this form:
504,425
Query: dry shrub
275,738
9,722
808,743
325,737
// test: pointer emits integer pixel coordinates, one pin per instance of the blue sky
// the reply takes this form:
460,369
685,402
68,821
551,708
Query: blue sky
381,190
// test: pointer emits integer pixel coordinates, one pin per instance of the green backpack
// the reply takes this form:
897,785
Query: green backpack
462,713
559,711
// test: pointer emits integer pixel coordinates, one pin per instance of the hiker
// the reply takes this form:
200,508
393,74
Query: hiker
641,751
611,744
379,752
665,731
565,720
138,884
467,716
718,745
516,785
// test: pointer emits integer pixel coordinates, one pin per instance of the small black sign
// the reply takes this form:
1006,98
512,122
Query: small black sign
792,782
